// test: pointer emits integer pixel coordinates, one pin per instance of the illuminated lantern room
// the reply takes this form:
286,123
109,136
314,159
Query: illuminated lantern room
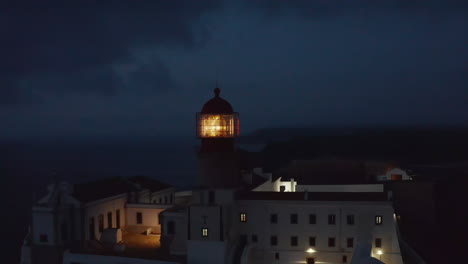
217,119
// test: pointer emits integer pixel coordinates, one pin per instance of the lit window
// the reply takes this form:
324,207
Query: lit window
378,242
378,219
243,217
331,219
204,232
350,219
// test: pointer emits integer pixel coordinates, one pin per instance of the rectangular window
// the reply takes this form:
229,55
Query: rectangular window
273,240
312,241
312,219
378,219
294,241
344,259
109,219
117,218
243,217
254,238
331,219
331,242
64,231
204,232
43,238
277,256
293,218
273,218
350,242
350,219
101,223
378,242
139,218
211,197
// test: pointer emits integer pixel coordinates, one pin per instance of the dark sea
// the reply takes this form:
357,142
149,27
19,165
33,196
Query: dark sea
27,167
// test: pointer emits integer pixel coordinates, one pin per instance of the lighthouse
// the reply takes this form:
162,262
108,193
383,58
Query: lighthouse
217,126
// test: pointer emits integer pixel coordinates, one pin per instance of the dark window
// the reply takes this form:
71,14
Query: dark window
170,228
312,219
117,218
165,199
273,240
294,241
331,219
378,242
43,238
350,219
139,216
310,261
331,242
91,229
254,238
282,188
171,198
293,218
64,232
160,200
243,217
243,239
276,255
378,219
211,197
273,218
350,242
109,219
344,259
101,223
312,241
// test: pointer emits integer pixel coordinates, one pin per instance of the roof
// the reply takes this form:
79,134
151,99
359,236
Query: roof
334,171
104,188
322,196
217,105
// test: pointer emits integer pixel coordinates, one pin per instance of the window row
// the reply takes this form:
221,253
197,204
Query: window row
109,220
167,200
294,219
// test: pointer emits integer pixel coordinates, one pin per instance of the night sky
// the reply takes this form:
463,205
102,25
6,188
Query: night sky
143,68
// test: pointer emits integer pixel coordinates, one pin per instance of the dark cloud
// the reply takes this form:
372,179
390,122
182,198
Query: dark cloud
331,8
73,45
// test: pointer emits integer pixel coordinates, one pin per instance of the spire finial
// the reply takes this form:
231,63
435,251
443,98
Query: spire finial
217,91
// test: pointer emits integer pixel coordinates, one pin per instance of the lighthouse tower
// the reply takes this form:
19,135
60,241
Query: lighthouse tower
217,127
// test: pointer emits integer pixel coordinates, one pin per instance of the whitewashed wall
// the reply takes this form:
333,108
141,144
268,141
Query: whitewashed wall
96,208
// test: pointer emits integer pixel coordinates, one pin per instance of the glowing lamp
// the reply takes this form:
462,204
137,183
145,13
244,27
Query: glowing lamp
310,250
217,119
379,252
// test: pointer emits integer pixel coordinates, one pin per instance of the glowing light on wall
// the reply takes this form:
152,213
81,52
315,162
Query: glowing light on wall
310,250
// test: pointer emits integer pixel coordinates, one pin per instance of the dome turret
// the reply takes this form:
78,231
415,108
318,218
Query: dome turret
217,105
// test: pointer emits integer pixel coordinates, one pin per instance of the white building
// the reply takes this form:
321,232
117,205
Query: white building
232,216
